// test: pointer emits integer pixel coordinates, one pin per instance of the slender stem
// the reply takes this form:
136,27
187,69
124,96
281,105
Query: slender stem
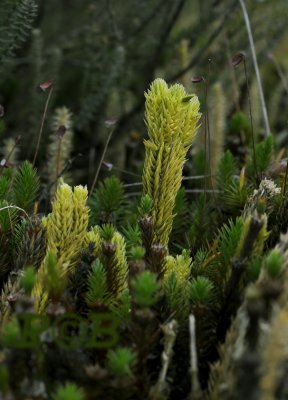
124,171
185,178
42,125
256,67
16,208
285,180
101,161
233,74
195,385
251,121
58,160
205,141
208,130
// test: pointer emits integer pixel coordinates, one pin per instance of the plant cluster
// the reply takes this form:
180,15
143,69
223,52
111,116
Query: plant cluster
170,296
167,279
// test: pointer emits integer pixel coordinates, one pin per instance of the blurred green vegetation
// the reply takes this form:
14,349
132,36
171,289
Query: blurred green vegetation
72,79
102,55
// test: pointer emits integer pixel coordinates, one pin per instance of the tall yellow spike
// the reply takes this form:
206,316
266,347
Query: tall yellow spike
66,233
172,118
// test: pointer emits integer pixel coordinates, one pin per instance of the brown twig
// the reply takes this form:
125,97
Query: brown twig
101,161
42,124
251,121
256,67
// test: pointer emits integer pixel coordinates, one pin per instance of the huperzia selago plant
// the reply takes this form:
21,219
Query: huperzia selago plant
108,296
172,118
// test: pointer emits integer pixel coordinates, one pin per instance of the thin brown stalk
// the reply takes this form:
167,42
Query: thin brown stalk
42,125
251,120
16,208
256,67
58,160
285,180
101,161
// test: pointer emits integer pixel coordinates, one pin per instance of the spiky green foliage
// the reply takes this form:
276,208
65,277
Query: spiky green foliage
121,361
53,280
229,238
200,225
121,307
233,190
201,291
226,171
254,268
17,18
146,204
69,391
274,263
10,333
19,231
97,286
107,231
176,279
25,186
28,279
240,124
4,186
132,235
145,289
114,259
264,152
29,243
137,253
106,202
8,216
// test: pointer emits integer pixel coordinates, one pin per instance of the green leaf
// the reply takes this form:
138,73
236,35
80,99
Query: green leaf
69,391
25,186
230,235
121,361
274,263
145,288
225,171
107,201
201,290
97,287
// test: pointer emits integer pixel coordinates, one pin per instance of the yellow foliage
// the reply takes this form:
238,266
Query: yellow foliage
93,236
181,266
121,265
172,118
66,232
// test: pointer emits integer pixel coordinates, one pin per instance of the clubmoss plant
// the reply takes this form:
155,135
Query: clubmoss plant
172,118
66,230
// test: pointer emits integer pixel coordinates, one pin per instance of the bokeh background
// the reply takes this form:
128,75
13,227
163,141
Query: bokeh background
102,55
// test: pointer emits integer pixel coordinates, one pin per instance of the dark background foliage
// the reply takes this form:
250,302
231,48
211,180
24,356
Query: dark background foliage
103,54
